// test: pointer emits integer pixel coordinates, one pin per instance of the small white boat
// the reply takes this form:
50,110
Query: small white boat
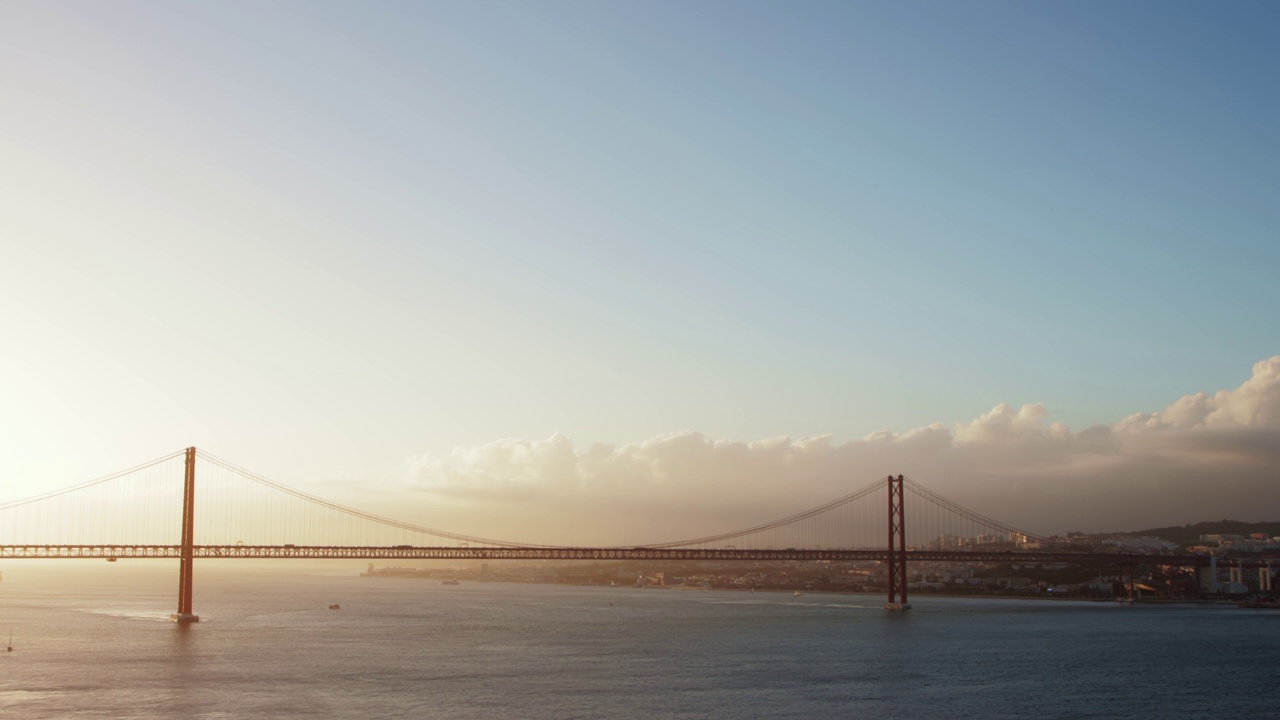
798,593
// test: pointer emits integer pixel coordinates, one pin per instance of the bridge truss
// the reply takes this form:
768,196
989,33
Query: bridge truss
346,552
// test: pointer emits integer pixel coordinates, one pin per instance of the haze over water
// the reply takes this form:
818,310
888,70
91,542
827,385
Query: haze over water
93,642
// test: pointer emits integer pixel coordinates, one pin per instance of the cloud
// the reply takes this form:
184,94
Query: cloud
1256,403
1004,424
1201,458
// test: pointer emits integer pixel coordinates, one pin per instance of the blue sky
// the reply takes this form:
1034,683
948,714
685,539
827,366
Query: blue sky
388,229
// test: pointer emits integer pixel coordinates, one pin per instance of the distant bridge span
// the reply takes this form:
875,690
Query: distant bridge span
131,514
340,552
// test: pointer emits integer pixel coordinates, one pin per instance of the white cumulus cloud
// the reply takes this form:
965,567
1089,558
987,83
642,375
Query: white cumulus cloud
1203,457
1256,403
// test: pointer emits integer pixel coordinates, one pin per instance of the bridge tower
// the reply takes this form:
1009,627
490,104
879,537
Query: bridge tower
184,614
897,546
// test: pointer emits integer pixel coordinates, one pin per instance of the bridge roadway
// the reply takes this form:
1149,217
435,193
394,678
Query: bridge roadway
402,552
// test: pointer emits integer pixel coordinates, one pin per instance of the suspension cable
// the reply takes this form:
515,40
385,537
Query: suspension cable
89,483
362,514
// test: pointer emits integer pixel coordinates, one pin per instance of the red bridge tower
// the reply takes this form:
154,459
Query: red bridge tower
897,546
184,614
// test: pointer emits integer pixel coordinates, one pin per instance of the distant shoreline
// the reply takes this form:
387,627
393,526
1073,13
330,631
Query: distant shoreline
859,593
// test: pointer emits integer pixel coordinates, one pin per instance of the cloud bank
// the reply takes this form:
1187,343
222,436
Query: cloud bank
1204,457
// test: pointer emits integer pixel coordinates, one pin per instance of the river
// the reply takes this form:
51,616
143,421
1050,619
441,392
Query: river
94,641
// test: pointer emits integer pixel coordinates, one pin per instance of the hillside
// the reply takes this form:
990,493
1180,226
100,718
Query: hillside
1186,535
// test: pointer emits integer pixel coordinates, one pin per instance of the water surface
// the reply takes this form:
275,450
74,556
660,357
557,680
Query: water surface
95,642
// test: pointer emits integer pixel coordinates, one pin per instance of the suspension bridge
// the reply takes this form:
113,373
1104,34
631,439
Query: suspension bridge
160,508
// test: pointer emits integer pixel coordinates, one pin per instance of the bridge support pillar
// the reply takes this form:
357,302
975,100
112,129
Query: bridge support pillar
184,614
897,546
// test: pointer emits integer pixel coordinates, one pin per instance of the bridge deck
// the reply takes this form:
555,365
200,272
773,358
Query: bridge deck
340,552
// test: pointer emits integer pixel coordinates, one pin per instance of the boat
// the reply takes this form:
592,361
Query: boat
335,606
111,559
797,593
10,648
450,581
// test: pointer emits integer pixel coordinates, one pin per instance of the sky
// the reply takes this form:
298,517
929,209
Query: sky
545,260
